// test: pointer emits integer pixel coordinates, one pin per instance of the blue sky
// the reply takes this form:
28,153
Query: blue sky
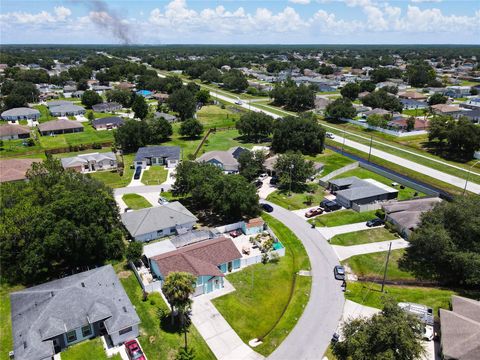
241,22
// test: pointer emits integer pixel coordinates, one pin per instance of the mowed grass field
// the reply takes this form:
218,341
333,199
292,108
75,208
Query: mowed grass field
363,237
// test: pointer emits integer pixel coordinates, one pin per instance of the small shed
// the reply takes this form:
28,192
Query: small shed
253,226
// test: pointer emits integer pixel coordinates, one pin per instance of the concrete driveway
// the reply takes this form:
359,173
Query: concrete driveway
344,252
266,188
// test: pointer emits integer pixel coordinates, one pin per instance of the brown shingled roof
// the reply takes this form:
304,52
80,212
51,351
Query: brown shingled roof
13,129
199,259
61,124
15,169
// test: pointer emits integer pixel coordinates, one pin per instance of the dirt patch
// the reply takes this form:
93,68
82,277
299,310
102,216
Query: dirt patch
124,274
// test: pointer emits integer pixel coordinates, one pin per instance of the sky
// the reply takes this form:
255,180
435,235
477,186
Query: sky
240,22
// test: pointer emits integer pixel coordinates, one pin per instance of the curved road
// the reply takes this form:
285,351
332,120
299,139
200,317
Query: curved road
312,333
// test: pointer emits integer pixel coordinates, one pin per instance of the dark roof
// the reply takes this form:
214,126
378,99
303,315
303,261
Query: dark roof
412,102
361,189
202,258
60,124
169,152
13,129
45,311
58,103
114,120
106,106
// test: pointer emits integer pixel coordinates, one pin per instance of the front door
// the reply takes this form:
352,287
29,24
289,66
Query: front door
56,346
210,286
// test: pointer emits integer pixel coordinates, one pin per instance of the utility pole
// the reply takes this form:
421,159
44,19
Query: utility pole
468,177
386,265
370,150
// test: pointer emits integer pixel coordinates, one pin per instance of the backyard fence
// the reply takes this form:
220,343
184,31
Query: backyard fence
229,227
151,287
72,148
324,180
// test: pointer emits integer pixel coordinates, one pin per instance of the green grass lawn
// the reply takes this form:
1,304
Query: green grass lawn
6,339
363,237
414,112
255,306
44,113
342,217
86,350
155,175
332,161
113,178
373,265
135,201
403,194
88,136
213,116
158,341
15,148
296,200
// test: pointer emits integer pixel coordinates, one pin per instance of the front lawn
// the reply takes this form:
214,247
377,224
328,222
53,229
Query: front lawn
158,340
261,300
135,201
155,175
342,217
363,237
113,178
86,350
373,265
296,201
332,161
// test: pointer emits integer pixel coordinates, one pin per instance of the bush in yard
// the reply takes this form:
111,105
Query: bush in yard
90,98
191,128
134,251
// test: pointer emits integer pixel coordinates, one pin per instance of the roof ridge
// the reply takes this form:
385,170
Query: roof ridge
147,212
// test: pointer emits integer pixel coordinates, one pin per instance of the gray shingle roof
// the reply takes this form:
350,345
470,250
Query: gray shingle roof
228,158
85,158
67,108
47,310
114,120
61,124
169,152
149,220
168,117
360,189
21,111
58,103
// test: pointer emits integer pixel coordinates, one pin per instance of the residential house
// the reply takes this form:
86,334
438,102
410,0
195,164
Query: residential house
125,86
473,115
78,94
107,107
405,215
48,318
15,169
168,156
321,103
161,97
66,110
54,103
86,163
68,90
207,260
100,89
457,91
159,221
411,104
14,131
376,111
401,124
352,191
108,123
412,95
444,109
170,118
60,126
460,329
225,160
472,104
145,93
21,113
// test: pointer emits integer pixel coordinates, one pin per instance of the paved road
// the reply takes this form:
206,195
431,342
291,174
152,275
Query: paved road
310,337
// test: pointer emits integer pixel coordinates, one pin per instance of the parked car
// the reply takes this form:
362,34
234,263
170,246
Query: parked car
274,180
138,172
329,205
235,233
262,176
266,207
313,212
258,184
329,135
375,222
133,350
162,200
339,272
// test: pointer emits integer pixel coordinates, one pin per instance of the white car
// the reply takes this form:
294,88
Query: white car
262,176
162,200
428,332
238,102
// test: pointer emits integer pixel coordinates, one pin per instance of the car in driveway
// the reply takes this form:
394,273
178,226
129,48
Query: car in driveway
162,200
262,176
138,172
313,212
329,205
235,233
134,351
339,272
258,184
266,207
274,180
375,222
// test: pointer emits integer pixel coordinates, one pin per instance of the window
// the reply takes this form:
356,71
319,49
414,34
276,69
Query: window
159,232
124,331
86,330
71,336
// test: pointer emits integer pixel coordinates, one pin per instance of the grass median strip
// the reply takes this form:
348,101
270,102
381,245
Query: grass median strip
136,202
363,237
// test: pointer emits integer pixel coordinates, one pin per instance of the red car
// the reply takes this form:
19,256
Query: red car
133,350
313,212
235,233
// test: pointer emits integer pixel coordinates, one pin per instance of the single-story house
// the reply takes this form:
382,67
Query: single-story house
21,113
14,131
376,111
170,118
405,215
158,221
125,86
108,123
48,96
66,110
107,107
352,190
78,93
225,160
100,89
161,97
68,90
15,169
411,104
48,318
401,124
460,329
85,163
253,226
472,104
54,103
208,260
444,109
157,155
412,95
457,91
472,115
60,126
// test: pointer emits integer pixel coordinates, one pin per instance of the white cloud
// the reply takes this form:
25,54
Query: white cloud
426,1
61,13
301,2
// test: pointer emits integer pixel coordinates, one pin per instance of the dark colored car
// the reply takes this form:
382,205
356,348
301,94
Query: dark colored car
375,222
339,272
329,205
266,207
313,212
258,184
133,350
138,172
274,180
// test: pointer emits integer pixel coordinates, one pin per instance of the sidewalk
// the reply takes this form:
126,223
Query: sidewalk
344,252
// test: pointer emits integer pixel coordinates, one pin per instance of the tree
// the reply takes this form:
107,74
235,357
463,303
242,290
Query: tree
350,91
473,91
23,88
293,97
383,100
411,123
212,75
90,116
293,170
437,98
132,135
120,96
302,133
377,120
439,127
251,164
382,74
392,334
391,89
446,245
341,108
140,107
419,75
367,86
82,85
66,221
160,130
134,251
90,98
235,80
183,102
464,139
191,128
178,287
13,101
202,96
255,125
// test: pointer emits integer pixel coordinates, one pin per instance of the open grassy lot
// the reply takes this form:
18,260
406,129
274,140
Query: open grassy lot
262,293
224,140
88,136
403,194
363,237
342,217
213,116
373,265
86,350
135,201
15,148
158,339
155,175
113,178
332,161
295,200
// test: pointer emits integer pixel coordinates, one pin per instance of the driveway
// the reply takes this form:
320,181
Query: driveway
266,188
344,252
312,334
329,232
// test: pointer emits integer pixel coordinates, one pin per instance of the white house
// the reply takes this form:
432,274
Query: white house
168,156
85,163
